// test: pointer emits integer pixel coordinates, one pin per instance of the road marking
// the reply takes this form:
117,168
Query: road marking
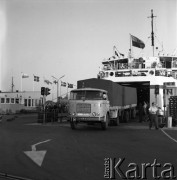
37,156
34,145
169,136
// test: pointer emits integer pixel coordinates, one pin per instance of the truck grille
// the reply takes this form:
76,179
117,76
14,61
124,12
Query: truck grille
83,108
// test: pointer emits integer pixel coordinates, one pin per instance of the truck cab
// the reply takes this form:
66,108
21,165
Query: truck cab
89,105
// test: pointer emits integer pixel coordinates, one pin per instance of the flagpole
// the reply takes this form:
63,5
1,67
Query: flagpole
33,82
67,91
21,82
60,88
130,46
52,91
130,42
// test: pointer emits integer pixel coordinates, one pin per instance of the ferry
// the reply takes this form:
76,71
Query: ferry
154,77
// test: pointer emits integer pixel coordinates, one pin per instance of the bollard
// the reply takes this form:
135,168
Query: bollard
169,122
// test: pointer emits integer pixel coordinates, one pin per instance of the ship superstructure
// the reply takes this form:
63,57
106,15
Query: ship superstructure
144,73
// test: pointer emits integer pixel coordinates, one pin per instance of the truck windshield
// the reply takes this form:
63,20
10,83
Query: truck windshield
87,95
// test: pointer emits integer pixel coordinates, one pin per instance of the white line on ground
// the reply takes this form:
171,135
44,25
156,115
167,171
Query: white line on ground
34,145
169,136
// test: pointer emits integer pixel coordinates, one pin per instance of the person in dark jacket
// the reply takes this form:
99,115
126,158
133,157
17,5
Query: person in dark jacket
141,111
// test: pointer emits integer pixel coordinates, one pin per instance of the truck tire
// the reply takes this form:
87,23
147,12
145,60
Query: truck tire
104,125
73,124
117,122
134,113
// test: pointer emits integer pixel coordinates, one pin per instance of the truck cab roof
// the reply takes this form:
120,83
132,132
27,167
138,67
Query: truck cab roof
89,89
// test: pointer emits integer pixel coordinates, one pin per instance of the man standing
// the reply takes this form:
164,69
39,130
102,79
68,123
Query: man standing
141,112
153,116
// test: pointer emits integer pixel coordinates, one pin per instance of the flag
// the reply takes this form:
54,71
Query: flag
47,81
70,85
137,42
36,78
63,83
25,75
116,53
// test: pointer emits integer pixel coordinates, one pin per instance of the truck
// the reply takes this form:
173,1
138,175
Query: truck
101,101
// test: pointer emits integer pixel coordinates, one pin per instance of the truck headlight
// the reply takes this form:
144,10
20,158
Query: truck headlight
74,114
95,114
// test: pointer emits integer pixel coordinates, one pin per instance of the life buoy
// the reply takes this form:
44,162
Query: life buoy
102,74
111,74
151,72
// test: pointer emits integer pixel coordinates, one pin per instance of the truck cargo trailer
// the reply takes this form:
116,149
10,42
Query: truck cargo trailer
123,100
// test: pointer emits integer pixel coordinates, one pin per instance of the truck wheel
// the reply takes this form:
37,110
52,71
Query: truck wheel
73,124
116,122
127,118
134,113
104,125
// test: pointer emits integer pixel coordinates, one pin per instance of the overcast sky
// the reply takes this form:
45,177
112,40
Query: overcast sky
72,37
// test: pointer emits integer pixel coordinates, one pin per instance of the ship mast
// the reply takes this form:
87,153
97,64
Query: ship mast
152,33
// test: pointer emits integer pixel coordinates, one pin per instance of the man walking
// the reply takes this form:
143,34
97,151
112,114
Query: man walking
153,116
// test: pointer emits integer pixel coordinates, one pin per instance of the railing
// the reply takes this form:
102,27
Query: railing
138,72
138,65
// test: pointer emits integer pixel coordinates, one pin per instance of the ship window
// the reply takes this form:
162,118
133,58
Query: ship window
168,64
12,100
7,100
32,102
36,102
25,102
2,100
17,101
29,102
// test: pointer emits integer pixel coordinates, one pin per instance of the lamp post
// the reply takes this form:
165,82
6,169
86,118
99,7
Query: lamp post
57,81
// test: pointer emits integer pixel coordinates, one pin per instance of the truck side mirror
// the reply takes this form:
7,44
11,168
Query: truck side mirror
104,96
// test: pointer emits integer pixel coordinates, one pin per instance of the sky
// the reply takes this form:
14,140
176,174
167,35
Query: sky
71,37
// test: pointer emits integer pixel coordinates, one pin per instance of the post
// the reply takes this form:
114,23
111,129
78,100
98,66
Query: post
130,51
44,100
33,82
12,84
60,88
156,98
57,90
57,81
164,103
21,82
67,91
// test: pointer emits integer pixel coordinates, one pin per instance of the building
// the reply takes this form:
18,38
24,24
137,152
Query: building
13,102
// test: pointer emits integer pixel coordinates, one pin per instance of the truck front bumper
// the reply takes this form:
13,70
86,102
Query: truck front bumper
87,119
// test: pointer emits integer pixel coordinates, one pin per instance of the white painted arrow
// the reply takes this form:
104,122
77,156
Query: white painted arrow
37,156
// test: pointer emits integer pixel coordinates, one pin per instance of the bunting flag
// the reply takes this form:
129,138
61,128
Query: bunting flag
55,81
137,42
47,81
36,78
25,75
63,84
70,85
116,52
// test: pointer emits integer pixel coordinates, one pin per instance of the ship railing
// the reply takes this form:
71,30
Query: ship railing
138,66
133,66
139,72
